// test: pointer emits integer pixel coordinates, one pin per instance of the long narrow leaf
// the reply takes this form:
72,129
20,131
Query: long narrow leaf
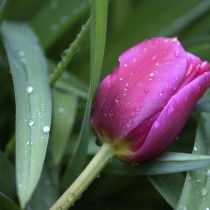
195,192
98,39
33,104
169,162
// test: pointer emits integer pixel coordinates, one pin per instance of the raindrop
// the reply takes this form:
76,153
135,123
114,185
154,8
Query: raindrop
30,123
208,173
176,54
20,186
23,60
70,197
61,110
117,100
29,89
195,148
203,191
170,108
129,124
156,124
160,93
133,114
125,65
146,90
126,87
134,60
207,208
98,176
21,53
152,74
91,165
121,78
46,129
157,64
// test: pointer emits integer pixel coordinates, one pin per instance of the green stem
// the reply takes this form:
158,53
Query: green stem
68,54
91,171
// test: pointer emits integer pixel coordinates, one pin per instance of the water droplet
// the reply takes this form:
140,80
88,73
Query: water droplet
208,173
30,123
23,60
129,124
117,100
91,165
156,124
134,60
20,186
146,90
121,78
176,54
61,110
155,56
125,65
29,89
152,74
98,176
157,64
133,114
126,87
170,108
46,129
195,148
70,197
203,191
83,27
207,208
21,53
160,93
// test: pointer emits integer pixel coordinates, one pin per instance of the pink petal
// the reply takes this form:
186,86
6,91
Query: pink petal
172,119
148,76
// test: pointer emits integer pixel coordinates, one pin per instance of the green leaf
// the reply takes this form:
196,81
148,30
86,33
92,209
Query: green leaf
98,40
58,17
169,186
7,204
195,192
169,162
64,112
33,104
47,190
3,7
7,171
183,21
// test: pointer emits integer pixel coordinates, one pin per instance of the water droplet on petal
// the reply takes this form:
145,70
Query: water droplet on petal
117,100
46,129
129,124
170,108
157,64
133,114
121,78
176,54
30,123
134,60
152,74
125,65
160,93
156,124
195,148
29,89
146,90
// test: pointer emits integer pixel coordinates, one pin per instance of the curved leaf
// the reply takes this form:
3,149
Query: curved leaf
33,104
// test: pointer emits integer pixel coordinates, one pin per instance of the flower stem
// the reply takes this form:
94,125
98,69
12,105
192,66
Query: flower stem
87,176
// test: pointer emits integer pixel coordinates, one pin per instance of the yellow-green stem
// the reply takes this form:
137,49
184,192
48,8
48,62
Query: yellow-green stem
87,176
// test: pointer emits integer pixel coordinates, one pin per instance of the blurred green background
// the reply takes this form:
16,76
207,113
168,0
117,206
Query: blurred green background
129,22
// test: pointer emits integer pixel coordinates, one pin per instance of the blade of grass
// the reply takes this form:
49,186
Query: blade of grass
58,17
169,162
99,11
63,115
195,192
33,104
68,54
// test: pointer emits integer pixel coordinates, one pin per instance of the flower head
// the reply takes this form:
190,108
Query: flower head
144,103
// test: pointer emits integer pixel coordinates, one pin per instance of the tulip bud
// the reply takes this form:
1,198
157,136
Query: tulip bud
144,103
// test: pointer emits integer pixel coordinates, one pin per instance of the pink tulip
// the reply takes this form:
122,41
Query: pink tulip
144,103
